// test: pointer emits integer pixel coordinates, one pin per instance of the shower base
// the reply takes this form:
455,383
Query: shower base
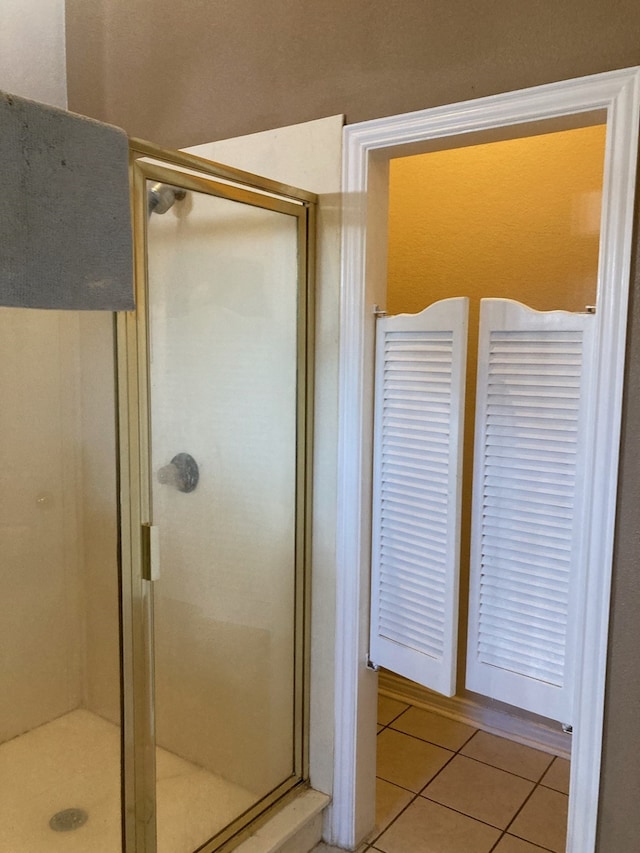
74,762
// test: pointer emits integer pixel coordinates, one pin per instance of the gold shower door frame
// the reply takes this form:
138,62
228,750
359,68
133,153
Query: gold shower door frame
149,162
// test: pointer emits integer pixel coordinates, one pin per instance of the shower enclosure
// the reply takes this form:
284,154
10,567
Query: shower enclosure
158,690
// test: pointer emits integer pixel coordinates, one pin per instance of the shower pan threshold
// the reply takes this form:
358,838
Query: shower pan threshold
73,762
296,828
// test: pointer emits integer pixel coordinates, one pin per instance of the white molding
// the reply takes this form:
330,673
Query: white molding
616,93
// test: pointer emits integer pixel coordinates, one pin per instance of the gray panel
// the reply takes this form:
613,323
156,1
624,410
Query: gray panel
65,222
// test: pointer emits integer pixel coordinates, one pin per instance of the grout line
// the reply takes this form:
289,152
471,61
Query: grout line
394,819
510,772
416,794
472,758
463,814
397,716
508,826
432,742
454,753
527,841
437,773
502,835
469,739
526,800
395,784
546,785
422,740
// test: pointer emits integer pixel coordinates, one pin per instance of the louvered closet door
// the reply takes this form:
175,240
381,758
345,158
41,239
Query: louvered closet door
420,376
531,478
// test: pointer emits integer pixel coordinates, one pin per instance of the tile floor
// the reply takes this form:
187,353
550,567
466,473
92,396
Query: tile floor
444,787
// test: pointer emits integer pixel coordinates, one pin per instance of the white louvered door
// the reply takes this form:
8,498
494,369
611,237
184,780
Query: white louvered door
531,476
419,411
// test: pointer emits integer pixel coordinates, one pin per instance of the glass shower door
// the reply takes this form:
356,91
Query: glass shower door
225,515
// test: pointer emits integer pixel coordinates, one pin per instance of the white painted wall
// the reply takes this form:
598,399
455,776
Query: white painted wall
32,50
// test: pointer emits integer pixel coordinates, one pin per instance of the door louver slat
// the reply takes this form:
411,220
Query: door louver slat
527,531
420,367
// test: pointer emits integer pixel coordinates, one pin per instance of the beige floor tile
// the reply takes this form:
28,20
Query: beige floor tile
508,755
388,709
557,776
426,827
390,800
434,728
479,791
407,761
543,820
509,844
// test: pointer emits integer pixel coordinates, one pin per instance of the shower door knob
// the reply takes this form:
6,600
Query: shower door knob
182,472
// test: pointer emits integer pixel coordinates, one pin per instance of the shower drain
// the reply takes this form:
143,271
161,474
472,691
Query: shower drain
68,819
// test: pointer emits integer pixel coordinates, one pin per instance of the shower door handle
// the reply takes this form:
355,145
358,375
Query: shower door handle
150,543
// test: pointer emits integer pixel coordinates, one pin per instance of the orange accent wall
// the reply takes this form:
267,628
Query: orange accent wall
517,219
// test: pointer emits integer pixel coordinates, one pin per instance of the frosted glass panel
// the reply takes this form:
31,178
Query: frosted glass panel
223,352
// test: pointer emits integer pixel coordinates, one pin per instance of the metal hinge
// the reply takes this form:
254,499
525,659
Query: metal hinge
150,546
378,311
371,665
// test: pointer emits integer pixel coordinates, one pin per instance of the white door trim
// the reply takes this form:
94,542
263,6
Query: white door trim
368,148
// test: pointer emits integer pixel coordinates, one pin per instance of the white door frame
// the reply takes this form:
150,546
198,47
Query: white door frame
614,97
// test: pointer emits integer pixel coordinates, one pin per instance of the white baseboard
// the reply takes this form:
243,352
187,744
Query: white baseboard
547,737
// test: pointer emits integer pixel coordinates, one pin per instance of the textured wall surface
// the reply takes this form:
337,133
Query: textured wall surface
189,72
619,821
517,219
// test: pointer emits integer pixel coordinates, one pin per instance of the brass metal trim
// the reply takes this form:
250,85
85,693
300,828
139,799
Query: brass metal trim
142,148
210,186
139,830
149,558
139,778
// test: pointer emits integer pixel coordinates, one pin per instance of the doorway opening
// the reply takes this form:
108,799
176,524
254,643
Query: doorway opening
519,220
610,99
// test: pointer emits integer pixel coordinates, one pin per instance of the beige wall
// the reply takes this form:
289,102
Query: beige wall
40,583
99,533
40,554
58,537
188,72
183,73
